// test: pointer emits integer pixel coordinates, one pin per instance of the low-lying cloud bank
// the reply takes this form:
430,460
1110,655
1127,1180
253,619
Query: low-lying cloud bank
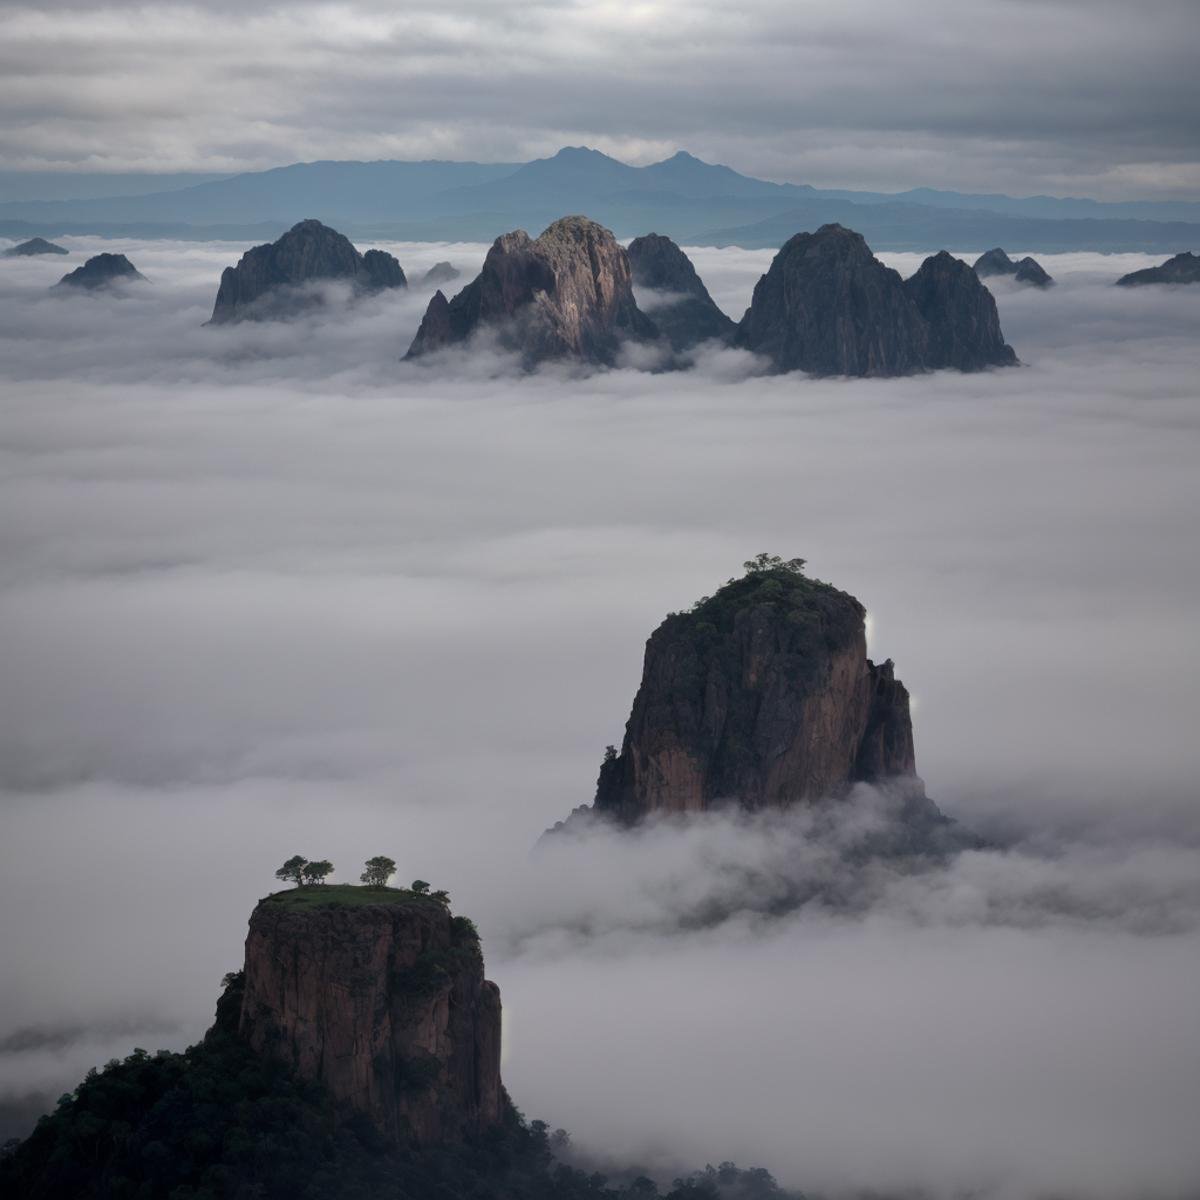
266,590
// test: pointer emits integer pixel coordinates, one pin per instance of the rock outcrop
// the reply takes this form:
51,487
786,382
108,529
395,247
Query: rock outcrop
32,247
567,294
102,271
963,324
828,306
1183,268
994,262
760,696
439,273
684,312
273,281
1030,271
385,1004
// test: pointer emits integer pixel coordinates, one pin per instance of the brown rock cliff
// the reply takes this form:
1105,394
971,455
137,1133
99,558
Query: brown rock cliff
385,1004
760,696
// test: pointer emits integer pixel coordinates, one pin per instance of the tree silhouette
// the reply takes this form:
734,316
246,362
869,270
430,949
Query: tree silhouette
293,870
315,872
420,886
379,870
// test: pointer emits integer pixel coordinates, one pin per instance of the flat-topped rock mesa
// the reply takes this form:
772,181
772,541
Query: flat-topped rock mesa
439,273
684,312
102,271
383,1003
1027,270
828,306
963,324
34,246
269,281
760,696
568,294
1183,268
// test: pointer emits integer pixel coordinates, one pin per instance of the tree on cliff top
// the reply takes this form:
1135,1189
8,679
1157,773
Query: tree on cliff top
292,871
378,871
761,563
315,872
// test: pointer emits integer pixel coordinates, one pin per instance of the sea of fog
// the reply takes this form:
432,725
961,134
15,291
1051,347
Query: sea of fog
267,590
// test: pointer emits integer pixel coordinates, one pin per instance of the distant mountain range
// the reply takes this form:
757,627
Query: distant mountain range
694,202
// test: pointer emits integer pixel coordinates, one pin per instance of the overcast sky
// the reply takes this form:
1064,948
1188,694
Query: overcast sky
1083,97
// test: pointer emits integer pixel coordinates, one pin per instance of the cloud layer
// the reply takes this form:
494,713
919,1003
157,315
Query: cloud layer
267,590
1068,98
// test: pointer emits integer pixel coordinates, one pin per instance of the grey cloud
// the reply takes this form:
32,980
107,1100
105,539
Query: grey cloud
988,95
267,590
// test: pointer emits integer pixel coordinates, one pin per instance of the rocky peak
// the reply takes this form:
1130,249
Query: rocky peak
382,1002
1030,271
34,246
759,696
682,308
101,271
567,294
964,326
268,280
439,273
828,306
1183,268
994,262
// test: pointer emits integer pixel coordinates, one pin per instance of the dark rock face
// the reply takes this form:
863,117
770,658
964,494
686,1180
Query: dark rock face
828,306
566,295
685,313
964,327
1030,271
34,246
994,262
439,273
268,280
761,696
101,271
1183,268
381,271
386,1006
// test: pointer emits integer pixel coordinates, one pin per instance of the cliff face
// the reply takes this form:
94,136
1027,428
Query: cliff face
567,294
683,311
964,326
761,696
385,1004
828,306
100,271
1183,268
263,285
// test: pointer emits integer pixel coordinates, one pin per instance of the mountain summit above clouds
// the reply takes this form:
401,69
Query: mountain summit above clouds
566,294
266,283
